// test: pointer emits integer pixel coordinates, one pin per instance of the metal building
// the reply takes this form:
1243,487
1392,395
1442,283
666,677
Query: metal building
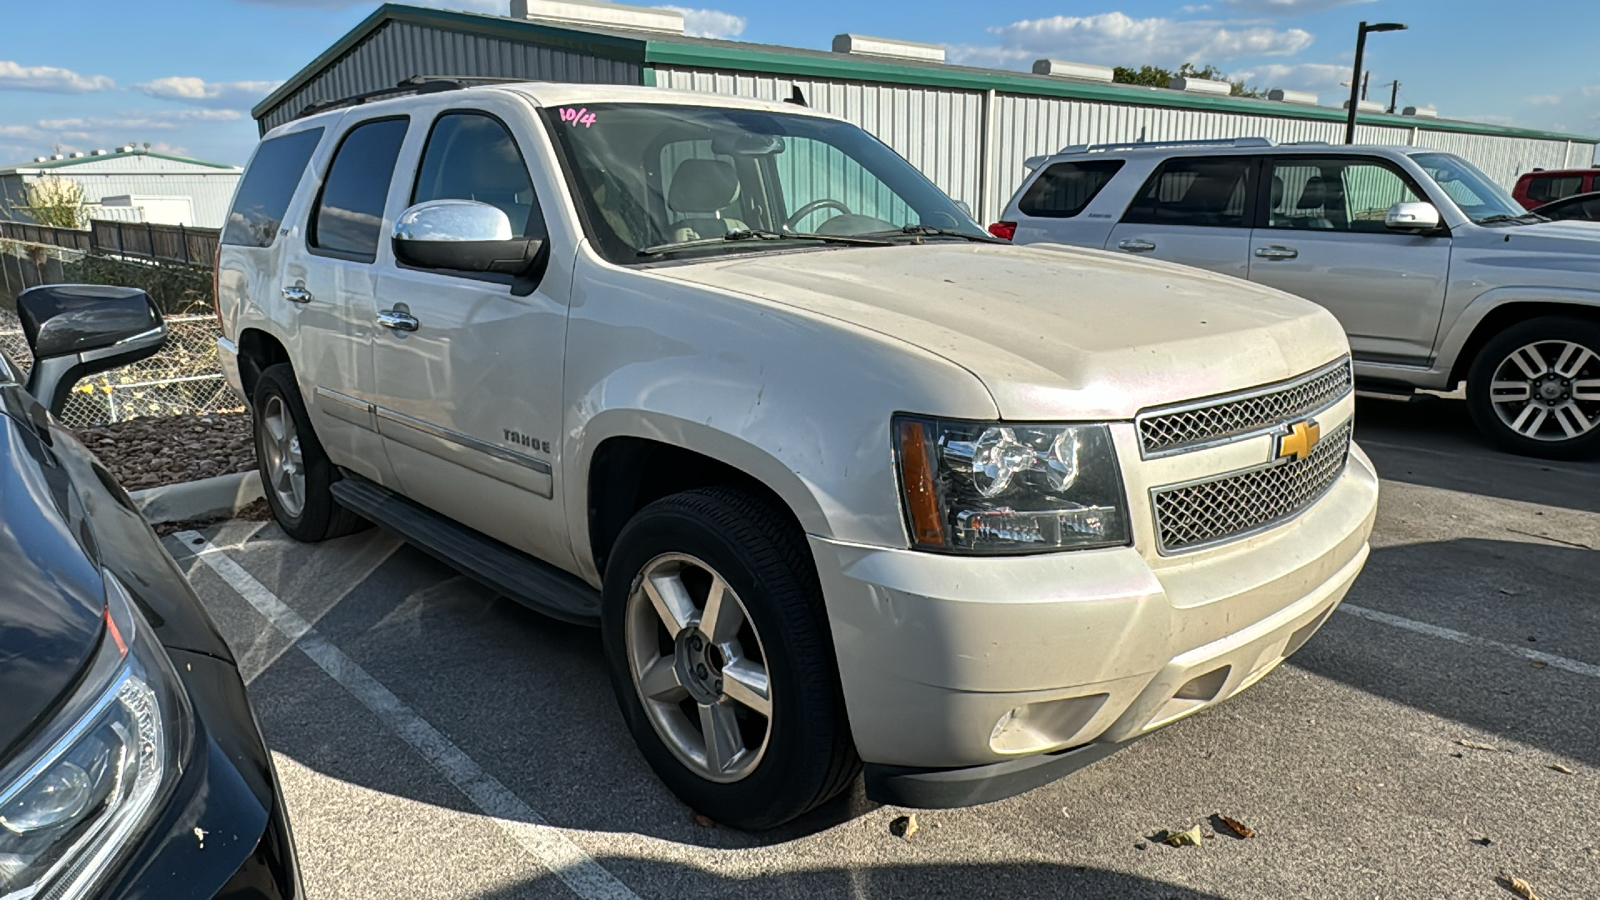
130,184
968,129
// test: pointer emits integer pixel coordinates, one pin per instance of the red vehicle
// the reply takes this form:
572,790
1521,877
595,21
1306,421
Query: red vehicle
1535,189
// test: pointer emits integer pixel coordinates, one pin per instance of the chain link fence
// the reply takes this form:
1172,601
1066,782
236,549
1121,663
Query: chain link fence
183,378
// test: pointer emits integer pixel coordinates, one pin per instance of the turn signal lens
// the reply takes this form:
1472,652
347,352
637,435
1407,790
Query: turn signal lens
916,474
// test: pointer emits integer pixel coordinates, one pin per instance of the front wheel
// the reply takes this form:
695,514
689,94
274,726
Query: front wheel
721,659
1535,388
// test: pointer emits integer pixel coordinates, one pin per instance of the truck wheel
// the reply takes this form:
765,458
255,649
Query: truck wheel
1535,388
722,661
295,472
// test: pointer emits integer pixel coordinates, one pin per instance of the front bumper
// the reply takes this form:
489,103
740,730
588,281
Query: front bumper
224,832
955,663
228,359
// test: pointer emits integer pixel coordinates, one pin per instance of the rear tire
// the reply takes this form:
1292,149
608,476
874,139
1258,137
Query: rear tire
766,628
1534,389
296,474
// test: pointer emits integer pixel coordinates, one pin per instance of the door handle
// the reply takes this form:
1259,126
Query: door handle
1277,252
394,320
1136,245
297,293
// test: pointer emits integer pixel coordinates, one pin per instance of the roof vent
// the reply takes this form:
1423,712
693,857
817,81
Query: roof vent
1283,96
604,15
125,148
1421,112
861,45
41,159
1365,106
1059,68
1201,86
57,156
76,154
97,153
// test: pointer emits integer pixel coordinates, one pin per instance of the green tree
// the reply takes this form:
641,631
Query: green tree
56,202
1155,76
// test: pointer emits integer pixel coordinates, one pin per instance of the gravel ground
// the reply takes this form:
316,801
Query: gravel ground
145,453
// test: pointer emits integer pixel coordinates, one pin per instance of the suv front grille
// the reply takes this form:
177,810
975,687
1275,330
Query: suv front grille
1171,430
1190,516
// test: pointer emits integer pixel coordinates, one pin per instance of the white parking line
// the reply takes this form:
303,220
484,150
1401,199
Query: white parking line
1472,640
543,841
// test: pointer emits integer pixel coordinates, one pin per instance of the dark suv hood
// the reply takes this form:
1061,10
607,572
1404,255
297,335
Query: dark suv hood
51,594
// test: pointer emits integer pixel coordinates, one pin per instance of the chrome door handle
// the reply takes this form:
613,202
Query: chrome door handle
1277,252
1136,246
394,320
297,293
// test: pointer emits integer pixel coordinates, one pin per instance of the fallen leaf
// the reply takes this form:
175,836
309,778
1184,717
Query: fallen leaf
704,821
1474,745
1517,886
1482,842
1190,838
1562,769
1540,664
903,827
1508,592
1236,826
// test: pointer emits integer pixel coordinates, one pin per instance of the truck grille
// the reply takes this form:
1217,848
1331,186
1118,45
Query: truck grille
1190,516
1174,429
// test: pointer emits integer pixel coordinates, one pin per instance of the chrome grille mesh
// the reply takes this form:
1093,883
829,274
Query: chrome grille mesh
1161,433
1188,516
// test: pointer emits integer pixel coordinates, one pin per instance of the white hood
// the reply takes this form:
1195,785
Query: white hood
1053,332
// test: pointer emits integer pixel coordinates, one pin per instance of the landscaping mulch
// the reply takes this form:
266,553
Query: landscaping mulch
144,453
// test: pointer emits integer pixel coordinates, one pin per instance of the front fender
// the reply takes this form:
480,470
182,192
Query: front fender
1460,331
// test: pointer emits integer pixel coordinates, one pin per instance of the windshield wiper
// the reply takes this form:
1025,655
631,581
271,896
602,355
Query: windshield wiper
920,230
1527,218
762,234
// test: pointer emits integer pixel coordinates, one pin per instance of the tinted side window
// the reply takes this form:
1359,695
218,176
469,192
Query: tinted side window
267,187
1336,194
349,214
1554,187
1064,189
471,156
1203,192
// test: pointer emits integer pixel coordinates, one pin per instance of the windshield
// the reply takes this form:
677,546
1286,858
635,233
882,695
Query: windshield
655,179
1471,190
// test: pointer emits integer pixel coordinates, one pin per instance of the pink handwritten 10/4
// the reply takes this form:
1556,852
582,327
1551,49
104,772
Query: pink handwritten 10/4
576,117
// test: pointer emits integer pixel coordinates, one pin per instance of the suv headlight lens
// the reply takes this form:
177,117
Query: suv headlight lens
84,787
991,488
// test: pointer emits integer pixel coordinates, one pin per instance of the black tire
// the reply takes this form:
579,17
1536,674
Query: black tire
809,756
1550,439
320,516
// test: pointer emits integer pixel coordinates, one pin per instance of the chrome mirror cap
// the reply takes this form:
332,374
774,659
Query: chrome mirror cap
453,221
1412,217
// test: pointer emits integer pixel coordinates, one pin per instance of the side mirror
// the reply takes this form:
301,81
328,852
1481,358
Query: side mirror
77,330
1412,217
463,236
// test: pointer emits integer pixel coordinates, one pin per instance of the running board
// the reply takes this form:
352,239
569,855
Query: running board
1379,390
531,582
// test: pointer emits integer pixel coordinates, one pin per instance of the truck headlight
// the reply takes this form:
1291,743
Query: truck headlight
91,780
1002,487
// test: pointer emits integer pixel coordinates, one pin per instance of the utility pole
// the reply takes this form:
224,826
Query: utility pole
1366,82
1394,95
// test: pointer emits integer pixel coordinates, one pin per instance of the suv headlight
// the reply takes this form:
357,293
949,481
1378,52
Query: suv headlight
991,488
76,795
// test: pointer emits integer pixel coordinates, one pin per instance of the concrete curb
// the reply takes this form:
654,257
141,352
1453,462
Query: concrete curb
208,498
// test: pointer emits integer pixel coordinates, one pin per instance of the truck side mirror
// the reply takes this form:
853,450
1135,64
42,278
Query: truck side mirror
1412,217
463,236
77,330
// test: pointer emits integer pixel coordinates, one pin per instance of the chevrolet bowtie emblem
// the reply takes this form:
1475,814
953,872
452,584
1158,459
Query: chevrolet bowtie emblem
1296,444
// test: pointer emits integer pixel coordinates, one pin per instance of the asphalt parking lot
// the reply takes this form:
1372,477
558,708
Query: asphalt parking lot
435,741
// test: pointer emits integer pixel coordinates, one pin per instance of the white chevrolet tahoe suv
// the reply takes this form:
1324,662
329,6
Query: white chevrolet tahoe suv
1437,275
841,478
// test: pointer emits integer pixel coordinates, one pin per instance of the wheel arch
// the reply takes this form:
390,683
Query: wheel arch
1496,311
258,350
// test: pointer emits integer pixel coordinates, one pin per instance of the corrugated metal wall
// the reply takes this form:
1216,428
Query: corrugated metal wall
210,190
939,131
400,50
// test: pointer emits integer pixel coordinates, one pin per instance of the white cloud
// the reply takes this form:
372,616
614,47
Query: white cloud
1544,99
1195,8
710,23
213,94
50,78
1315,77
1118,39
1592,90
1289,7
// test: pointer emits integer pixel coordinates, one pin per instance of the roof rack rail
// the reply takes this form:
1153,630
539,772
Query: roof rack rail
1145,145
416,84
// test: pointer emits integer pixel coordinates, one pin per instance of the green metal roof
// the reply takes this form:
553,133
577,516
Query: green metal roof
653,48
65,163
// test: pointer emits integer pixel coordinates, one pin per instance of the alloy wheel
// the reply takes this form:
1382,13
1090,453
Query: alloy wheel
698,667
285,464
1548,390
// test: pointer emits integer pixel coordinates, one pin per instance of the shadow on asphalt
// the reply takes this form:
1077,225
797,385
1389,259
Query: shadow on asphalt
1432,442
994,880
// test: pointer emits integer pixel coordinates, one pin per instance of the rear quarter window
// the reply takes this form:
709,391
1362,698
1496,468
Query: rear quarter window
267,187
1063,190
1553,187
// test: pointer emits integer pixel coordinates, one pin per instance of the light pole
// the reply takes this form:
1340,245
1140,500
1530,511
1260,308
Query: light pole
1355,80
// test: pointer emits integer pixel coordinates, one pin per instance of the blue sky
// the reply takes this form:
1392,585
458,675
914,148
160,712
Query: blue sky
182,74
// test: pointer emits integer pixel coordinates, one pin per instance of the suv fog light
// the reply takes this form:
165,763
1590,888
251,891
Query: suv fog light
1045,725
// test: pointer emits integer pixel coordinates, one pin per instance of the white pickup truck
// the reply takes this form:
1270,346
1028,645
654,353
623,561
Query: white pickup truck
842,479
